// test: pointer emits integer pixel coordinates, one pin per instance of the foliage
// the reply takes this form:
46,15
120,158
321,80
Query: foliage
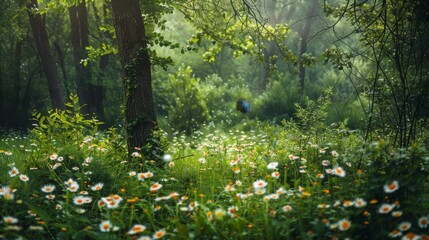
393,38
270,182
186,108
61,127
277,101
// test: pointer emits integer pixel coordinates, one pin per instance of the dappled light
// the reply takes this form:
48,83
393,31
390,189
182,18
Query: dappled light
186,119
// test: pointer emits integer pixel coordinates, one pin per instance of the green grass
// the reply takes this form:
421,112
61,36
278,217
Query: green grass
295,181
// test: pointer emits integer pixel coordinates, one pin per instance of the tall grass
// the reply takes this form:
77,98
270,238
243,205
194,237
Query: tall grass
299,180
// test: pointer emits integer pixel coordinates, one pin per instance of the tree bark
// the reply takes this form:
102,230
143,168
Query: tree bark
86,89
48,63
303,47
62,63
140,118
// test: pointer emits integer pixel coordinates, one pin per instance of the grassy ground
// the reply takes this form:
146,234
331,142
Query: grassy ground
296,181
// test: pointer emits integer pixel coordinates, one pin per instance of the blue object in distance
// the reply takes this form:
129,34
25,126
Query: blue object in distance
243,105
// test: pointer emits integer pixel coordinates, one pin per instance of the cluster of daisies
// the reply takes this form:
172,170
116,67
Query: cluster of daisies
404,228
107,226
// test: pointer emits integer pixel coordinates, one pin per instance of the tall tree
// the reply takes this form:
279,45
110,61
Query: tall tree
310,18
140,118
41,40
88,92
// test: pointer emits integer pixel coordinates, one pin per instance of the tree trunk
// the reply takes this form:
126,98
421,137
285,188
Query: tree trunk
62,63
48,63
140,118
17,115
303,47
80,40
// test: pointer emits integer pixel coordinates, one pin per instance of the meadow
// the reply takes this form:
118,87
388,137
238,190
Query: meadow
302,179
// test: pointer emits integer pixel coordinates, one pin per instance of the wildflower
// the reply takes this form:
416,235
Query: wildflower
267,198
325,163
75,168
50,196
23,178
329,171
156,199
10,220
275,174
344,224
395,233
219,213
339,171
69,182
236,170
320,175
58,207
136,155
360,202
397,213
89,159
323,206
272,165
391,187
106,226
232,211
32,213
80,210
9,153
287,208
167,158
229,188
53,156
78,200
410,236
238,183
144,238
260,191
171,164
386,208
322,150
132,174
87,199
202,160
291,157
280,191
137,228
423,222
274,196
259,184
337,203
252,165
111,202
155,187
347,203
60,159
35,228
148,174
97,187
56,165
48,188
13,172
404,226
73,187
334,153
174,195
7,192
101,203
159,234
